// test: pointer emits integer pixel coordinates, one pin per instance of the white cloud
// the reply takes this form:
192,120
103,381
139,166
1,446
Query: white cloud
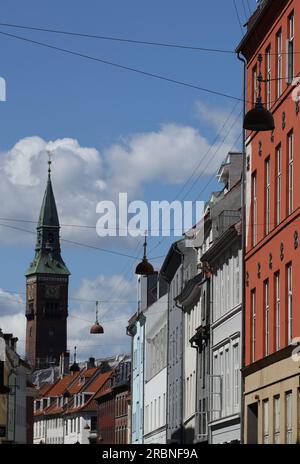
215,118
117,304
83,176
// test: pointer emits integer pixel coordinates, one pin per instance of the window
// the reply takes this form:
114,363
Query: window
253,324
227,382
269,77
267,317
277,311
277,420
290,48
290,172
289,303
279,63
255,85
278,183
267,196
288,418
237,274
236,377
254,209
266,421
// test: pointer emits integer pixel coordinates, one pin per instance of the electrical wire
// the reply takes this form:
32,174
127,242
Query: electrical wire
203,173
104,250
238,16
119,39
120,66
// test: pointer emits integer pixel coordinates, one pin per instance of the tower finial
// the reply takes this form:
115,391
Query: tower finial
145,245
75,350
97,310
50,154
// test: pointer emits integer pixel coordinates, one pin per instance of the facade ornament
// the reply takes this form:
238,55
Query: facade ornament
281,251
296,239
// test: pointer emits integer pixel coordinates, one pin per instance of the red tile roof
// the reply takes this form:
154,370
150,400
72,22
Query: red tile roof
94,380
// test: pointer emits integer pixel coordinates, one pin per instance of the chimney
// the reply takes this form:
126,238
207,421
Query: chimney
90,363
64,364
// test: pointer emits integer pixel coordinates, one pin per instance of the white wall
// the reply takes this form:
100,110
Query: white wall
137,384
155,387
155,405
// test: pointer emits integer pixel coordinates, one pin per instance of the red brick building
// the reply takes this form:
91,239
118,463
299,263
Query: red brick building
272,319
106,413
113,406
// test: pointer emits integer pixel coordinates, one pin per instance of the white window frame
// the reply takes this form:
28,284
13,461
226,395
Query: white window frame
288,417
291,172
279,62
290,49
269,77
266,422
290,301
267,196
253,325
254,211
276,419
278,183
267,316
277,311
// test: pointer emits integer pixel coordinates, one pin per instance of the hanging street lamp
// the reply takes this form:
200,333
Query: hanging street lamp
96,328
259,118
144,267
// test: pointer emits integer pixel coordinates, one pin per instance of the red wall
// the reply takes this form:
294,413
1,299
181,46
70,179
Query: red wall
284,232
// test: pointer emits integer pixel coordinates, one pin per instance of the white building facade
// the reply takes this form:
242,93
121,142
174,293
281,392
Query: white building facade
155,365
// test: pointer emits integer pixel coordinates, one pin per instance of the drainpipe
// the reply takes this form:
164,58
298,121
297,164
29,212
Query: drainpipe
168,353
243,60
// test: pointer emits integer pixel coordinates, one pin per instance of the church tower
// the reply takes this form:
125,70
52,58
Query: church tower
47,280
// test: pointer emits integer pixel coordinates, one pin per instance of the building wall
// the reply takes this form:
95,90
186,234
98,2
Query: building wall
269,252
155,408
106,419
263,388
121,415
155,400
271,316
138,382
191,321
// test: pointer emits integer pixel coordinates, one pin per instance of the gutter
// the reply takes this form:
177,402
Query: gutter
243,350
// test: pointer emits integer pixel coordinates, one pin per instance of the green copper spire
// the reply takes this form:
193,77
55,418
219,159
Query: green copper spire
48,258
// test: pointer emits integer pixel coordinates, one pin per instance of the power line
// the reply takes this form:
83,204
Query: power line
104,250
15,292
120,66
250,11
120,39
84,226
199,164
207,164
245,12
238,16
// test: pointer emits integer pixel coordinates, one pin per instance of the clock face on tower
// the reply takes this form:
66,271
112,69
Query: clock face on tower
52,291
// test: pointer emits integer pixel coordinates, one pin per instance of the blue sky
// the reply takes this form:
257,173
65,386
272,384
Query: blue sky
123,118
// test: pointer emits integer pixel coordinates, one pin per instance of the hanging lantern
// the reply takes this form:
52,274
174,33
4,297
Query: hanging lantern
144,267
259,119
96,328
